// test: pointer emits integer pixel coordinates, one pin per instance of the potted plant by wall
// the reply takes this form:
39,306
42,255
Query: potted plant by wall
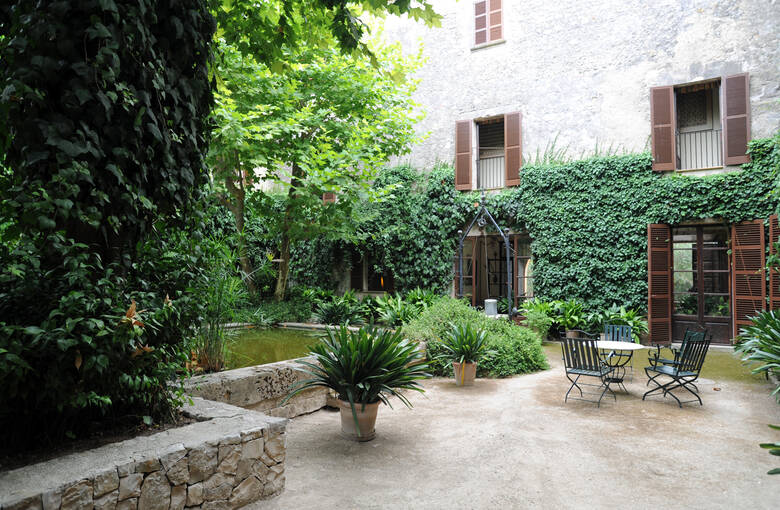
465,345
364,368
571,315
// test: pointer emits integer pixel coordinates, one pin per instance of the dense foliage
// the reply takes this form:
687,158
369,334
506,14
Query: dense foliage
102,131
760,344
512,349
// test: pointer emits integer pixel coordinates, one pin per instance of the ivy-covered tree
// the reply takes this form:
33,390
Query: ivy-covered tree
326,124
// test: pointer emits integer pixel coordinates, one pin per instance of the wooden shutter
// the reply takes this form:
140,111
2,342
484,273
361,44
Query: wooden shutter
328,198
480,22
774,275
513,148
736,119
659,283
463,155
663,123
747,271
495,25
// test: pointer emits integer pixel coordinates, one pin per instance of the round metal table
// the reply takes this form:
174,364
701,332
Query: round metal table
617,357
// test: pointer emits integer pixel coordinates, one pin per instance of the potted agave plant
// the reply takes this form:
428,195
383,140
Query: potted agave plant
364,368
465,345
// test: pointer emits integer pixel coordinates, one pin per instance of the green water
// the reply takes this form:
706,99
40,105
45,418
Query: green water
718,365
260,346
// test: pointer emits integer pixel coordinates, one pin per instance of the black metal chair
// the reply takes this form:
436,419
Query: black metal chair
621,360
682,371
581,358
690,334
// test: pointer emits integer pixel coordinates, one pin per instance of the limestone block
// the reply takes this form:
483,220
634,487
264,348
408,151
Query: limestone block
130,486
217,487
252,449
178,497
125,469
128,504
195,494
52,500
274,472
244,469
179,472
172,456
105,483
216,505
107,501
155,492
31,503
267,460
78,496
232,439
229,456
202,463
275,447
246,492
274,487
260,469
148,465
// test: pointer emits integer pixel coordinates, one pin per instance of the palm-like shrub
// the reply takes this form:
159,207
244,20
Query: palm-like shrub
394,311
760,343
341,310
365,366
422,298
465,344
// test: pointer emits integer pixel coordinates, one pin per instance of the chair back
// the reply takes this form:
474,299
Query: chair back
580,353
618,333
691,334
692,352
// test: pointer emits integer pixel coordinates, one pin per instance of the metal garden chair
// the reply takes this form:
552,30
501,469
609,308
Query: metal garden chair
620,333
690,334
581,358
682,371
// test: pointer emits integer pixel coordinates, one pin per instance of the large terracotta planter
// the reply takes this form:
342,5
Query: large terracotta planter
366,418
572,333
466,376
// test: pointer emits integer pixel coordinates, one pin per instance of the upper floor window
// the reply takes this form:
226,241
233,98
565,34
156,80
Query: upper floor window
702,125
493,148
488,26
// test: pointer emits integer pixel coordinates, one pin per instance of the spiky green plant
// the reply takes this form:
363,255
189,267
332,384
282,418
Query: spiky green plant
393,311
760,344
465,344
364,366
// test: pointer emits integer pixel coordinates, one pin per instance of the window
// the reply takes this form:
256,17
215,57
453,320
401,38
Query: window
365,278
488,25
701,125
498,154
524,288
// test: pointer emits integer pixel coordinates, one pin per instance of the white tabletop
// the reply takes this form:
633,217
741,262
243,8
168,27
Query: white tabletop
619,346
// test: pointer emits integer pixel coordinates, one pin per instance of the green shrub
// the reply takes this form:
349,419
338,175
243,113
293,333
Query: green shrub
464,344
291,310
393,311
340,310
760,344
516,349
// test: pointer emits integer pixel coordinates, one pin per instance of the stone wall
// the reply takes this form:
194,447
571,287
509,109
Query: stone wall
260,388
229,458
581,71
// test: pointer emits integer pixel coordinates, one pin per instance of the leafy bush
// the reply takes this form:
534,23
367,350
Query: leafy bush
760,344
570,314
617,315
538,321
365,366
516,349
291,310
394,311
341,310
422,298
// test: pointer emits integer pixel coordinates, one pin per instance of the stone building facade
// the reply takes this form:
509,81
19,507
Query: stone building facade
580,72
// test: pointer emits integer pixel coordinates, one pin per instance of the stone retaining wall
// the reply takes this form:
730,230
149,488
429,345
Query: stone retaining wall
260,388
229,458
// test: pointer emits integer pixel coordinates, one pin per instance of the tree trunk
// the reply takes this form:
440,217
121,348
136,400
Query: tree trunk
235,185
284,245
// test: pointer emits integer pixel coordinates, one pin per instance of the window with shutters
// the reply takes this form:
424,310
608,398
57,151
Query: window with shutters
490,153
488,22
701,125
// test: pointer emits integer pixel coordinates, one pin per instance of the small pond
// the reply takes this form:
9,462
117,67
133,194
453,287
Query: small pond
259,346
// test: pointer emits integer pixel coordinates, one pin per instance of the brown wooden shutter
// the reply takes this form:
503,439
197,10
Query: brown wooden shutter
747,271
495,26
659,283
736,119
774,275
480,22
328,198
663,124
513,148
463,155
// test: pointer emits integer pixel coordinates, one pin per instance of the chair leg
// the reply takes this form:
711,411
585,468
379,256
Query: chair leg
694,393
659,387
606,389
573,385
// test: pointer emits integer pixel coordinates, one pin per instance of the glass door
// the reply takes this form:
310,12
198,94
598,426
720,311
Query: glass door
701,281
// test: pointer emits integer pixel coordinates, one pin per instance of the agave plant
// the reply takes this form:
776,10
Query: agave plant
465,344
365,366
339,311
422,298
760,343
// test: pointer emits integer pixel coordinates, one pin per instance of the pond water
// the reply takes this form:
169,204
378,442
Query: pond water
259,346
718,365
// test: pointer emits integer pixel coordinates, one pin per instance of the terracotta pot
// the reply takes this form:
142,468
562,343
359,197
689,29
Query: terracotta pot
465,378
366,418
572,333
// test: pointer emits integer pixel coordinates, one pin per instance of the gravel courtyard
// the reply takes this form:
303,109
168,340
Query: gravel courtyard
513,443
